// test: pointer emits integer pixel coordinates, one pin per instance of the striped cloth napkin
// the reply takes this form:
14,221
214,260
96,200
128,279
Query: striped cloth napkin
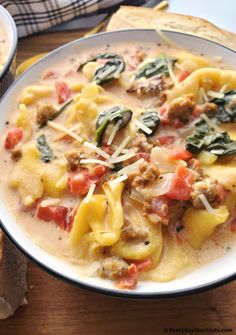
33,16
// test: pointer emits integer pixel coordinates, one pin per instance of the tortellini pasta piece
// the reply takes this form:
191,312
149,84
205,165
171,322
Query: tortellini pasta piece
191,62
23,121
175,259
85,110
200,224
52,174
27,176
224,173
33,178
207,78
137,249
103,214
88,247
89,69
92,211
35,92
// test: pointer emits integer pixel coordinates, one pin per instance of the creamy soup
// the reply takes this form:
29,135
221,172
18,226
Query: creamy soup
4,46
121,159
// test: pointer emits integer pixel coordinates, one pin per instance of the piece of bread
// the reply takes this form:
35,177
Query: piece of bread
128,17
13,266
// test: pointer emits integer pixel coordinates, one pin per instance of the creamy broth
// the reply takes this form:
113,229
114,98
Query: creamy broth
4,46
49,235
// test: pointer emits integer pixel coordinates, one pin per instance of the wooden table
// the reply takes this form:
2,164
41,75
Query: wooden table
55,307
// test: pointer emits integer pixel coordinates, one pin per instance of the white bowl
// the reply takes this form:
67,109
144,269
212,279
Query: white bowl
7,73
210,275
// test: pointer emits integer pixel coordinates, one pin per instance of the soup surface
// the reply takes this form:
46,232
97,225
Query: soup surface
4,46
121,160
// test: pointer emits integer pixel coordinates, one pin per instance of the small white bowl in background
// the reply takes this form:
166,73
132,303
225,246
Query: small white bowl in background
7,70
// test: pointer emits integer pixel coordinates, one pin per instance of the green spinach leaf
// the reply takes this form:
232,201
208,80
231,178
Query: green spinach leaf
151,120
156,66
45,150
110,70
219,144
226,107
114,114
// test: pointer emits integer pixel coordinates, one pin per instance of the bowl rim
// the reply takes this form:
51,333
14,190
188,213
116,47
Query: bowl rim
88,286
12,52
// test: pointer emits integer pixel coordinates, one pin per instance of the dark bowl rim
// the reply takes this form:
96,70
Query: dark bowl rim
13,48
90,287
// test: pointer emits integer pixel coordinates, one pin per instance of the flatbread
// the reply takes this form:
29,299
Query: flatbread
128,17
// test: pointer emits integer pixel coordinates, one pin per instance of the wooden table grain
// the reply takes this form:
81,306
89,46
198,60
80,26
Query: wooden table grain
56,307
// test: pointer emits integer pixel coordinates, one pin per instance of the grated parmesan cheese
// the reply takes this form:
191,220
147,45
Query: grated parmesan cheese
90,192
173,77
206,204
114,131
214,94
121,147
65,130
122,158
50,202
61,135
203,96
118,180
223,89
210,123
130,168
142,126
95,161
97,150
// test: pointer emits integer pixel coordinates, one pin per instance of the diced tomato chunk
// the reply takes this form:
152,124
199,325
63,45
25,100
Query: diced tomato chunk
130,280
184,75
166,139
58,214
143,265
144,155
180,153
181,185
63,91
163,109
14,136
79,182
99,171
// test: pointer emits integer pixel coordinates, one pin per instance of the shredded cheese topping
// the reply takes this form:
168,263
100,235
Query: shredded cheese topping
97,150
214,94
121,147
122,158
114,131
50,202
223,89
206,204
65,130
118,180
173,77
203,96
90,192
130,168
210,123
95,161
142,126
